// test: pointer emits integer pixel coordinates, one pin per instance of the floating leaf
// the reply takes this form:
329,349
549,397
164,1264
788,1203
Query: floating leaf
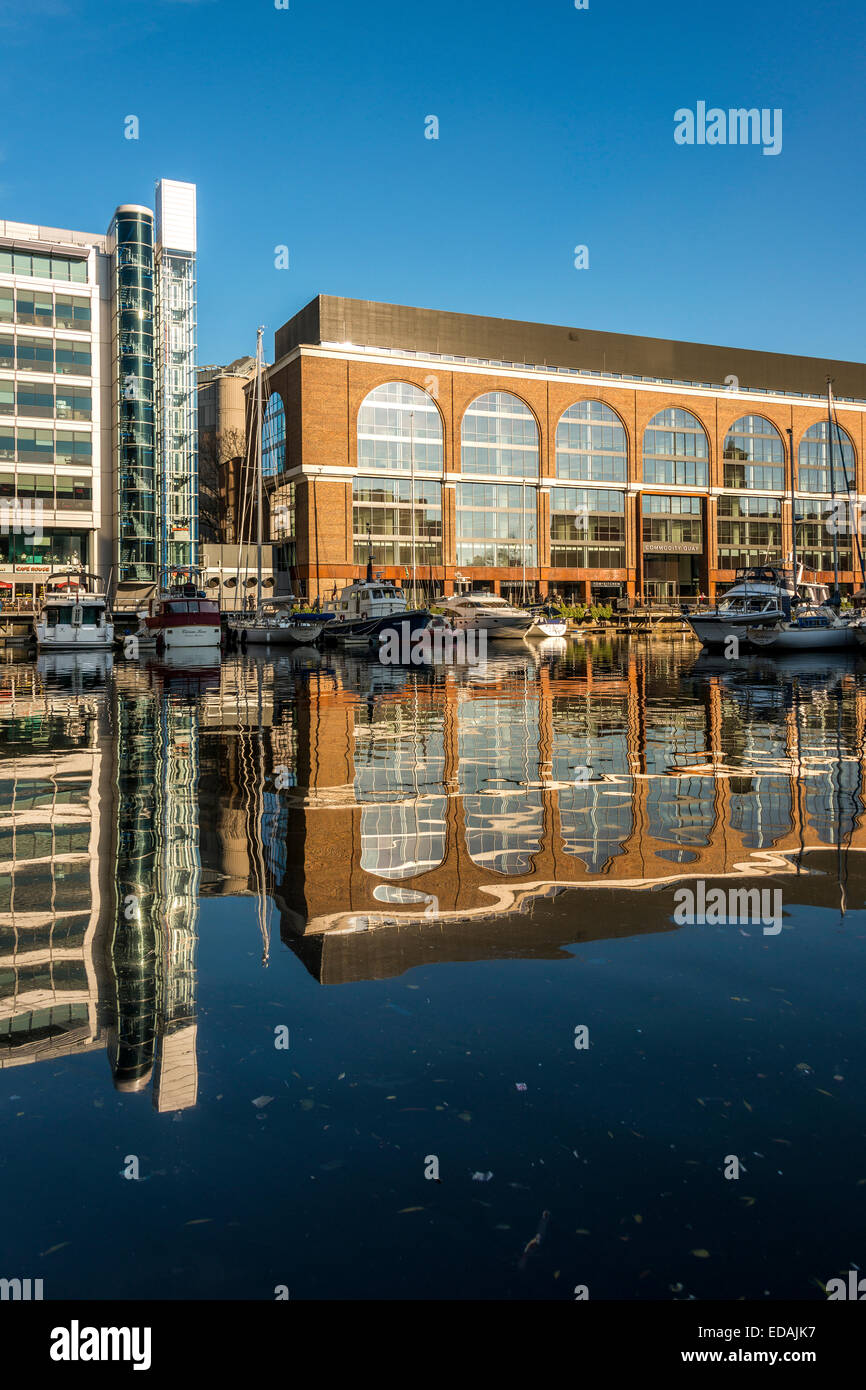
403,1210
261,1101
701,1254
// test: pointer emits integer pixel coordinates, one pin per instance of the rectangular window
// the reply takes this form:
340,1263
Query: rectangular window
7,311
34,354
672,522
74,494
74,403
36,400
72,358
587,528
383,511
72,311
7,397
34,308
35,446
72,447
494,527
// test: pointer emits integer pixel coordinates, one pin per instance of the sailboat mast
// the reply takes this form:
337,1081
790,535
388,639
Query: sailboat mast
259,359
836,599
793,506
412,486
523,541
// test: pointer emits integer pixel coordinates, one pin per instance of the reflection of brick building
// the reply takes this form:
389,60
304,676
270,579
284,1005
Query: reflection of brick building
613,464
445,809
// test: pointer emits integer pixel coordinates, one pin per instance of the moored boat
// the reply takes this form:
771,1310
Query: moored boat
814,627
547,622
487,613
75,615
180,614
272,627
761,598
366,610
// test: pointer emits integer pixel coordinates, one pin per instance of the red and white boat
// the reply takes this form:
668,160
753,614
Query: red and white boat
180,614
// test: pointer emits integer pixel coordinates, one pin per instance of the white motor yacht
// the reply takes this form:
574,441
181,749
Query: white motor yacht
75,615
760,598
488,613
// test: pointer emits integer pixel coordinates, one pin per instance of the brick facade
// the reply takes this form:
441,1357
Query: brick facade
324,385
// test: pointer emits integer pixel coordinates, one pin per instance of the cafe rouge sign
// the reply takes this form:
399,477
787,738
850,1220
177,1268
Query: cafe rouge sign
670,548
25,569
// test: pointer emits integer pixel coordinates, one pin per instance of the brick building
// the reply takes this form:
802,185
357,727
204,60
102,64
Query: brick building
545,458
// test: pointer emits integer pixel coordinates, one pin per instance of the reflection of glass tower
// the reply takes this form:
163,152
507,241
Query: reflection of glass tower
134,388
177,425
152,950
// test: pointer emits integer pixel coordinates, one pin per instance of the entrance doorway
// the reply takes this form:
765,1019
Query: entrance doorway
669,578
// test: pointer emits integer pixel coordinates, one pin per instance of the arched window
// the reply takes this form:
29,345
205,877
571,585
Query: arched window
274,437
499,438
591,444
814,464
399,430
675,450
754,456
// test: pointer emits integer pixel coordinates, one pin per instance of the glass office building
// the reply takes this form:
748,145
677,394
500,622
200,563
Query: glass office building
98,414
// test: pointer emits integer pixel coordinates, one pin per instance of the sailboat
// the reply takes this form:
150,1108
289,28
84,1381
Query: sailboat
814,626
270,624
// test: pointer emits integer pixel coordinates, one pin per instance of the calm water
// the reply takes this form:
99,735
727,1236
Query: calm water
424,881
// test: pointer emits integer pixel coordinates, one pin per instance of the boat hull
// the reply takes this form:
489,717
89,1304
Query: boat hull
65,638
280,635
505,629
367,633
547,627
715,632
809,640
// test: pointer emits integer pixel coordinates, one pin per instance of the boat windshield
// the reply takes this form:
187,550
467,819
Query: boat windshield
195,605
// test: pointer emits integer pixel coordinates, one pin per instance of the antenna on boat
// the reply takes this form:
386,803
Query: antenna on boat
369,556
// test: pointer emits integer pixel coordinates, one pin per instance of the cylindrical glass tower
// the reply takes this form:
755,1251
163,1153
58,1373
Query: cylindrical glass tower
134,394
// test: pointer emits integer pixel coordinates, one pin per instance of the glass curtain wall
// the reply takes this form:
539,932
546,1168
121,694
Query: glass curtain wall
134,394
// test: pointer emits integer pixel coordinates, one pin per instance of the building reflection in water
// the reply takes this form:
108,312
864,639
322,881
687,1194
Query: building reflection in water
422,809
100,872
381,816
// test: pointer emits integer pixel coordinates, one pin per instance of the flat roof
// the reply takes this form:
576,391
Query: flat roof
363,323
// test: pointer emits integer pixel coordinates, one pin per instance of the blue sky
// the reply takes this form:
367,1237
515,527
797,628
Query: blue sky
305,127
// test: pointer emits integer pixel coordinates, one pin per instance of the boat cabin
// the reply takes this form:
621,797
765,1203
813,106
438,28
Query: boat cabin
369,599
